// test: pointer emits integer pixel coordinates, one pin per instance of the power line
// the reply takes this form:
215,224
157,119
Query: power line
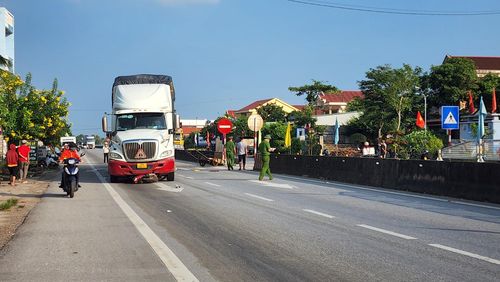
382,10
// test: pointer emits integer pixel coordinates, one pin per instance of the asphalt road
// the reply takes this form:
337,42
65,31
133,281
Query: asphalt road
211,224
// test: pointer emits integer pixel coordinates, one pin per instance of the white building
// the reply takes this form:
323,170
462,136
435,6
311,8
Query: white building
7,38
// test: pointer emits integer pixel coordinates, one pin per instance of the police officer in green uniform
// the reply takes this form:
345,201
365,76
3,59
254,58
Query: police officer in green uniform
264,150
230,153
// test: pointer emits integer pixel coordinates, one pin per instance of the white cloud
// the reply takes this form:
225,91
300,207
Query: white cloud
187,2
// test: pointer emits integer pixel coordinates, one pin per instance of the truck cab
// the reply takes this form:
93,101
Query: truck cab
142,128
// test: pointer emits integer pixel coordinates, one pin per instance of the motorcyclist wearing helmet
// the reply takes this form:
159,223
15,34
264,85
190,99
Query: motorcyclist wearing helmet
68,153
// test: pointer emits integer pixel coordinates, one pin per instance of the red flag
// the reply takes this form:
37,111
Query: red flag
471,104
420,121
494,101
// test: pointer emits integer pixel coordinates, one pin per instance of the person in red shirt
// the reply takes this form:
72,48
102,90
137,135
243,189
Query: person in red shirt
68,153
12,160
24,154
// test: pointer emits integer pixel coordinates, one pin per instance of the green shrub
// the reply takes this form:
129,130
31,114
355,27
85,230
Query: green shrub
7,204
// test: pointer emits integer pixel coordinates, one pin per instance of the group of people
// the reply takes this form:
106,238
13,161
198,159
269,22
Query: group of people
18,162
241,150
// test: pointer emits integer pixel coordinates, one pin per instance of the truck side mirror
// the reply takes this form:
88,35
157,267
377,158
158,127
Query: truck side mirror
104,124
177,121
170,131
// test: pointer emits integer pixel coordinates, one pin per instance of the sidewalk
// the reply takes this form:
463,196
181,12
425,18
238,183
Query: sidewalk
28,195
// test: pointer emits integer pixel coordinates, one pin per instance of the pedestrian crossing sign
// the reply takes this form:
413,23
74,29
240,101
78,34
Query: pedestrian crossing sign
450,118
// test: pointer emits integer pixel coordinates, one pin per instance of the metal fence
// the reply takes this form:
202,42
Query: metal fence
470,150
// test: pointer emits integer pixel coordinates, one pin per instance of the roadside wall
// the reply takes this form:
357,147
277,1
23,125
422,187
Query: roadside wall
467,180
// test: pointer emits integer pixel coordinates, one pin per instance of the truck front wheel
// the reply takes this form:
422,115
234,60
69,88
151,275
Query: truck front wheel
170,176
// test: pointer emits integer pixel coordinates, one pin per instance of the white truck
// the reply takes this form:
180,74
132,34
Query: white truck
68,139
90,141
143,123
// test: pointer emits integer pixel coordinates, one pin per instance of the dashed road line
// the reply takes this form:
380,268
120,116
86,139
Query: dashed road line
259,197
167,256
273,184
387,232
212,184
319,213
451,201
465,253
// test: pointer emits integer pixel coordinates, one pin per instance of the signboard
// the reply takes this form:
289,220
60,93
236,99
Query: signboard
255,122
450,118
224,126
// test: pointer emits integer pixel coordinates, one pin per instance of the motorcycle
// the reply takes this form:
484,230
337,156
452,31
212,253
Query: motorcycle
49,162
70,184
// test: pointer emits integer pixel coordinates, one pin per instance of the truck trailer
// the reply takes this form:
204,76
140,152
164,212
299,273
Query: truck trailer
143,123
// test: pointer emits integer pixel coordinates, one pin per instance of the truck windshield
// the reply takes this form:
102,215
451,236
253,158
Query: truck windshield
140,120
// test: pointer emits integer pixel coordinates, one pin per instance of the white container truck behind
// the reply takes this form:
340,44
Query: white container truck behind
142,128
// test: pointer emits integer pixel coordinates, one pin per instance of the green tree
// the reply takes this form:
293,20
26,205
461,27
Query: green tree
313,90
418,141
30,113
9,86
272,112
80,139
277,131
486,85
389,99
448,83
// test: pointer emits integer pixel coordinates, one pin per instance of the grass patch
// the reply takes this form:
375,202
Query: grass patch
7,204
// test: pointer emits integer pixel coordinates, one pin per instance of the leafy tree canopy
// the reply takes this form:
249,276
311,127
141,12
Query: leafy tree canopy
31,113
313,90
448,83
272,112
390,96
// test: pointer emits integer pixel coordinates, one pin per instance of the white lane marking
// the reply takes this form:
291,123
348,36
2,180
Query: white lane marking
167,256
387,232
212,184
259,197
273,184
319,213
391,192
164,187
182,175
466,253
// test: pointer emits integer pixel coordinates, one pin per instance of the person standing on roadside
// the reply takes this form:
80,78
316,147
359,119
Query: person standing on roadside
241,149
12,163
105,150
265,153
24,159
230,152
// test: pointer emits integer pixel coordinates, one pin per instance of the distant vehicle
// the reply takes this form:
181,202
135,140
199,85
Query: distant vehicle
179,139
142,128
68,139
90,142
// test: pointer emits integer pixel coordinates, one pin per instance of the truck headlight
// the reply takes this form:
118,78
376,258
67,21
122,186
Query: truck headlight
115,156
166,153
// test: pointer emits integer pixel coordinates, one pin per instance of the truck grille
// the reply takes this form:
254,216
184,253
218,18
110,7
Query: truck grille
140,151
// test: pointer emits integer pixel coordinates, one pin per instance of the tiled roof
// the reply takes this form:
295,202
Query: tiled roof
253,105
342,97
299,107
482,63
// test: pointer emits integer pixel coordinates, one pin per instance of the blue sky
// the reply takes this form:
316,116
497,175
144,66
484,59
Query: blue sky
225,54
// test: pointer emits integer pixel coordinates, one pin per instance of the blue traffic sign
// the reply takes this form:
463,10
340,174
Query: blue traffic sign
450,118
